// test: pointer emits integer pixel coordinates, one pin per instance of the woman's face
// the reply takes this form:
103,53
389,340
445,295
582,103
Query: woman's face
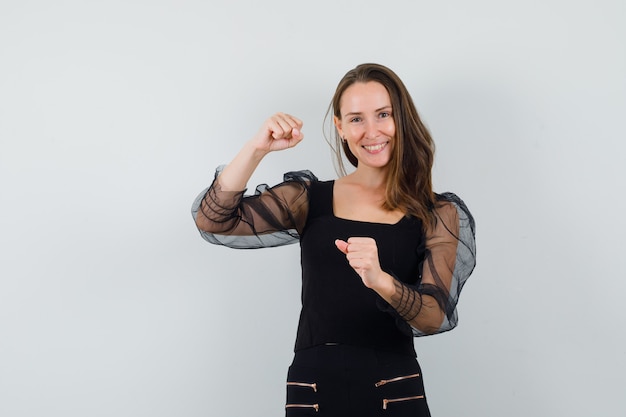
367,123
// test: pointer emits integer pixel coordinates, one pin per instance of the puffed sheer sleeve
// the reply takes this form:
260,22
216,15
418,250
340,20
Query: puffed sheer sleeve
272,216
450,259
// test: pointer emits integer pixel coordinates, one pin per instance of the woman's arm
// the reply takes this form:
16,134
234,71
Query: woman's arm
281,131
421,311
272,216
430,306
426,306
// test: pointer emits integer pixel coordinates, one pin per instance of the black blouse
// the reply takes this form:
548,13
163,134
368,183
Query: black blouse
336,306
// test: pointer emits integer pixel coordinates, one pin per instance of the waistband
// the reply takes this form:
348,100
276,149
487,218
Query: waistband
331,355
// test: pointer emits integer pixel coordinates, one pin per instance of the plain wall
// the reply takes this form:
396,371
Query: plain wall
114,114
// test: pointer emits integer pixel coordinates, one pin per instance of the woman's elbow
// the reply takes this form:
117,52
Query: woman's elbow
204,224
428,330
431,324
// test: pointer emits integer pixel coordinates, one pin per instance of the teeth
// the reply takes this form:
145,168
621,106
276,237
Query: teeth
373,148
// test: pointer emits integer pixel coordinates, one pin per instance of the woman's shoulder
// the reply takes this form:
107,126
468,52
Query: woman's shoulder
300,176
307,180
447,201
450,208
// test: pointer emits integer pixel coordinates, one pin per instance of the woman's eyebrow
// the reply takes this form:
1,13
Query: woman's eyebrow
377,110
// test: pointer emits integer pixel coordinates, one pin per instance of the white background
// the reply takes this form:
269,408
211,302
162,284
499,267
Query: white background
113,115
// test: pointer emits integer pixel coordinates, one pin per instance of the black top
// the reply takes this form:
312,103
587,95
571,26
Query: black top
336,306
433,261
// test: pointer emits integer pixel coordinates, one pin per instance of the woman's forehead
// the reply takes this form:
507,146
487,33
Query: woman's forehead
362,97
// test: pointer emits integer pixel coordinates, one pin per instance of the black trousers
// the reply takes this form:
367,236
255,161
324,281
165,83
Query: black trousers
345,381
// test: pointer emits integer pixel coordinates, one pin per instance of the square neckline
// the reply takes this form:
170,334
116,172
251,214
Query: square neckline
332,212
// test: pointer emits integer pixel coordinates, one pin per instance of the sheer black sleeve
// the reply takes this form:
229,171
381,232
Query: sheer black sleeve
272,216
449,261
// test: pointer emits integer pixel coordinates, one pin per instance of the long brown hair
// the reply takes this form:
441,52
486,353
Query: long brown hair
409,180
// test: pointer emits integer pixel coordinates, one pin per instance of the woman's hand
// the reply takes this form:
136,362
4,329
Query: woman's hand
281,131
362,255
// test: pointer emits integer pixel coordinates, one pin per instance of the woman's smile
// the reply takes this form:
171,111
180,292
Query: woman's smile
375,148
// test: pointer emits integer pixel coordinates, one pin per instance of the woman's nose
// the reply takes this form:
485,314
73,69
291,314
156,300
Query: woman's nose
371,130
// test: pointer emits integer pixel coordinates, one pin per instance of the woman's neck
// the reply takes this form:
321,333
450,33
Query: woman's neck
370,178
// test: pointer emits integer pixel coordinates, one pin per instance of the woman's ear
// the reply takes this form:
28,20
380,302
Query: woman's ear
337,122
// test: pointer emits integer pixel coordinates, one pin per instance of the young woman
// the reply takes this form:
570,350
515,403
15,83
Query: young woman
384,258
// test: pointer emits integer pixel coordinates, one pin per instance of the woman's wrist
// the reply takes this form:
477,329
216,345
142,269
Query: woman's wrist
253,152
385,286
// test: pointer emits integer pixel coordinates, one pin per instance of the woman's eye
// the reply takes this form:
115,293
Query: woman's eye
355,119
385,114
